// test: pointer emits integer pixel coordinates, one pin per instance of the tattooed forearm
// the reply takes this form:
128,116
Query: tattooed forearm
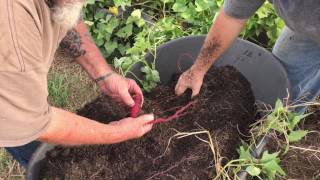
72,43
208,50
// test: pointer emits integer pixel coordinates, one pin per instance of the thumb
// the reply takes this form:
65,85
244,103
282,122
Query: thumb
145,119
180,89
196,90
126,98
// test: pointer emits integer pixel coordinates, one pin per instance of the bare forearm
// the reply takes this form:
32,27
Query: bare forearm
70,129
80,46
223,32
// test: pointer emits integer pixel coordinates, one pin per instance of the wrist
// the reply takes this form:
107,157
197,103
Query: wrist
103,77
101,70
199,70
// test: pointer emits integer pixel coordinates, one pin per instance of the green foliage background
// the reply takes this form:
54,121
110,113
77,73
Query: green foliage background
125,30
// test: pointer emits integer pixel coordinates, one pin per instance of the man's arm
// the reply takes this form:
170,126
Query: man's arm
80,46
78,43
223,32
70,129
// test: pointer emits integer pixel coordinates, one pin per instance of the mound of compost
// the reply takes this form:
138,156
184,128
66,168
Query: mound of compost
224,107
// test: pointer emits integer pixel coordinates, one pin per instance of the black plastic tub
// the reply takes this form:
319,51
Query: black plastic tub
263,70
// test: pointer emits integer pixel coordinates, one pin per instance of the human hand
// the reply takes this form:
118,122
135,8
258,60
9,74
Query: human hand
131,128
190,79
120,88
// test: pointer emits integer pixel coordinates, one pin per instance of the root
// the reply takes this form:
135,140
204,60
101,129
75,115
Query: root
213,146
162,173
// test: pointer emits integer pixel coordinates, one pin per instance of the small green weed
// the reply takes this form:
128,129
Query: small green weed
9,169
282,124
4,162
58,90
267,167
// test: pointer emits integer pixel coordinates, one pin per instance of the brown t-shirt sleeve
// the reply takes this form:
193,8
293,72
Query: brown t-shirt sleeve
25,112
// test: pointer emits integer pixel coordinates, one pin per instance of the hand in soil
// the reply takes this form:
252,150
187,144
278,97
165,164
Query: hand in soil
131,128
120,89
189,79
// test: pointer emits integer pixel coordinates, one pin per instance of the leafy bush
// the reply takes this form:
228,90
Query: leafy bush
125,30
264,25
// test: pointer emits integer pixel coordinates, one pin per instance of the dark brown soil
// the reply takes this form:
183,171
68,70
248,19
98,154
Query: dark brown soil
303,163
224,107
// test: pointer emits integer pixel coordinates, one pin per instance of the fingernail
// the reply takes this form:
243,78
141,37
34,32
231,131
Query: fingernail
149,117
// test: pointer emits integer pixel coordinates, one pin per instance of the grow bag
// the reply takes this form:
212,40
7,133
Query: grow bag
268,78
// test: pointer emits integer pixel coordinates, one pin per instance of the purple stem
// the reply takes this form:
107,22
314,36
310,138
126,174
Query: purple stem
177,114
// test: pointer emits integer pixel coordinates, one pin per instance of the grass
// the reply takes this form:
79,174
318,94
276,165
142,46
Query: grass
58,89
9,169
69,88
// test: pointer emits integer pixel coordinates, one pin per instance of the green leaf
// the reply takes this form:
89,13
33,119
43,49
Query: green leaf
136,13
155,76
127,63
122,49
108,17
110,46
277,126
272,168
244,153
266,157
99,42
201,5
145,69
295,136
136,18
270,165
112,24
122,3
179,6
293,121
279,106
90,2
98,15
125,32
118,62
253,171
263,12
104,52
273,123
140,22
